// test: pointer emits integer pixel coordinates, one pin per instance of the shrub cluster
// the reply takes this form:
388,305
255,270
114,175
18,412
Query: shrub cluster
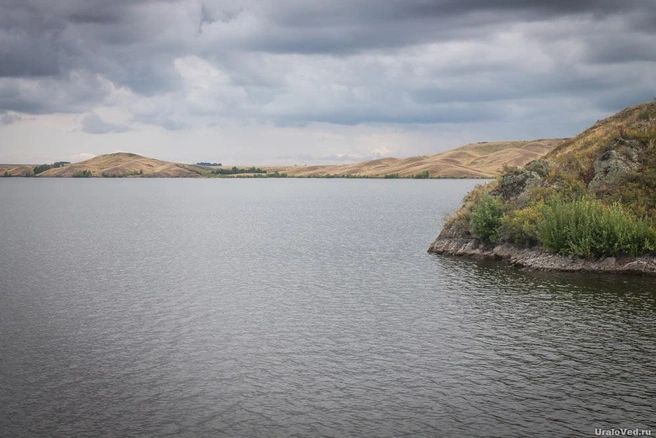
486,218
587,228
583,227
521,226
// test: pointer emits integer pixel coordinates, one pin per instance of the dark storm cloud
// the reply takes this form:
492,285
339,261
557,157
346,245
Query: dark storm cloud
28,41
623,49
349,26
71,55
55,38
540,7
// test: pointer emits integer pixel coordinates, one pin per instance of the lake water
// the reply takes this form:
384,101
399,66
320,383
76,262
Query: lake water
265,308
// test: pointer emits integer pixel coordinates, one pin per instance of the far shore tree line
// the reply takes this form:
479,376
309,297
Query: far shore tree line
237,171
43,167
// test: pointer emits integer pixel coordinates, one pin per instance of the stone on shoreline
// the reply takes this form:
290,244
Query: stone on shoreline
538,259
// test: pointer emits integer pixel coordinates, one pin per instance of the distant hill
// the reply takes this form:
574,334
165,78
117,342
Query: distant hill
16,169
480,160
122,164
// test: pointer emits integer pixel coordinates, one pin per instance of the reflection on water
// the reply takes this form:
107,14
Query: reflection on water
297,308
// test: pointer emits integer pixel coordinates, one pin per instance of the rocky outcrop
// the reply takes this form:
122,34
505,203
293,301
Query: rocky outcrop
516,183
614,165
538,259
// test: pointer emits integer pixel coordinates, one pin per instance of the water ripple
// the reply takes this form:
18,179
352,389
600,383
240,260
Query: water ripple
297,308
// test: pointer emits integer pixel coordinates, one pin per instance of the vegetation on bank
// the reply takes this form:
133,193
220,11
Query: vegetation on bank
82,174
237,171
122,175
254,172
43,167
588,228
593,196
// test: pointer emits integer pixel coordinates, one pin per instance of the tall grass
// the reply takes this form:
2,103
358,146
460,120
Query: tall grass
587,228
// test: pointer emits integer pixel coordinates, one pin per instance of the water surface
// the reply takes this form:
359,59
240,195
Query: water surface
162,307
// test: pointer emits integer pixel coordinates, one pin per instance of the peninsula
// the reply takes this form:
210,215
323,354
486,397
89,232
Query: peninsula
587,205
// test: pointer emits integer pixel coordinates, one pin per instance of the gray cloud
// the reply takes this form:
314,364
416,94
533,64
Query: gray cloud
177,63
93,124
9,119
333,158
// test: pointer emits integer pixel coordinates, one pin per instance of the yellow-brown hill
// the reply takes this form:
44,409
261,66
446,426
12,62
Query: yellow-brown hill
636,121
15,169
480,160
122,164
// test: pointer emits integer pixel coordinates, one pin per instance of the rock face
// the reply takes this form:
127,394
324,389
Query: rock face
535,258
614,165
515,183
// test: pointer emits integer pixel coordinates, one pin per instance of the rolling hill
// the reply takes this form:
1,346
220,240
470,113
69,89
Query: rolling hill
120,164
480,160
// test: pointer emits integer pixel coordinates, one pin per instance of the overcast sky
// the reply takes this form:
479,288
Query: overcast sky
291,81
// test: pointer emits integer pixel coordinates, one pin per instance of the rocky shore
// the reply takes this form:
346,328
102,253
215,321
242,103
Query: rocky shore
536,258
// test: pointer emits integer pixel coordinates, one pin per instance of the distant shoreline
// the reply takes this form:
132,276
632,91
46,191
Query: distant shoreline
481,160
405,178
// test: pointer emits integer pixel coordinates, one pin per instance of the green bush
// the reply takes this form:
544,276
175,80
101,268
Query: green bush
521,226
486,218
587,228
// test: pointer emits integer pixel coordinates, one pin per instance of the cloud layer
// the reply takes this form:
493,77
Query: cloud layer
190,64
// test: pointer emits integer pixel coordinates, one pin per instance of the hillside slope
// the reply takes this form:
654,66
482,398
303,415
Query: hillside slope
123,164
480,160
16,169
592,196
